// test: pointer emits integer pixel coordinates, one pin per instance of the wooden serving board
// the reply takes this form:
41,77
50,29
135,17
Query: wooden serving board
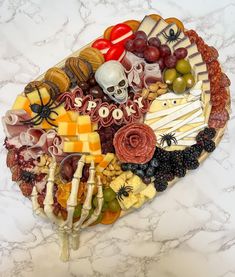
202,158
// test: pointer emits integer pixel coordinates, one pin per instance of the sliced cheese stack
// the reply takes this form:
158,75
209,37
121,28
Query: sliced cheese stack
105,162
181,115
80,136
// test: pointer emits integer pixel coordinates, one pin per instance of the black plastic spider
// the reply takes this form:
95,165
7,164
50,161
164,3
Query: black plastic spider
123,191
43,111
168,138
172,37
27,176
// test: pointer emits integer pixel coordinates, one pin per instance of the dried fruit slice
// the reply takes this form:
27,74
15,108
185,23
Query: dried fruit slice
179,23
134,24
110,217
155,17
107,32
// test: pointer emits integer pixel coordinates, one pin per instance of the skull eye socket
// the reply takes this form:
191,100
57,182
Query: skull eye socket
122,83
110,89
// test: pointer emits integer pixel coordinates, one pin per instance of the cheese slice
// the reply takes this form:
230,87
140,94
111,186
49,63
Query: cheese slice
166,32
206,86
202,76
160,25
195,58
185,42
200,67
187,109
185,134
192,49
146,25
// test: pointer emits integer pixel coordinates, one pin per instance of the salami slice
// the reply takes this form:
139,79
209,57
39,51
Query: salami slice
224,81
135,143
218,118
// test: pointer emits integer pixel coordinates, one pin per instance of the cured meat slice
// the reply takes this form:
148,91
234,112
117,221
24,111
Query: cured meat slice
224,81
135,143
218,118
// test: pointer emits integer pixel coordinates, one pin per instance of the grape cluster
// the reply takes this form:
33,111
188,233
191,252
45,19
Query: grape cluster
166,165
153,51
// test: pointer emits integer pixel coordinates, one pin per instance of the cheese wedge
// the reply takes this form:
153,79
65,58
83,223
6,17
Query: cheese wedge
185,42
194,59
160,25
192,49
22,103
146,25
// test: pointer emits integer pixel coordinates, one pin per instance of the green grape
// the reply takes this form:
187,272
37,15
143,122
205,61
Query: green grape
105,206
114,206
95,202
109,195
78,210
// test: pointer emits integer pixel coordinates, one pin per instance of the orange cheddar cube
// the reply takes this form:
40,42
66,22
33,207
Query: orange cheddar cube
94,141
94,126
67,128
105,162
73,115
73,146
22,103
84,124
95,158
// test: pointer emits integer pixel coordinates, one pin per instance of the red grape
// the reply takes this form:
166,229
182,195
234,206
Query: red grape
154,42
181,53
161,63
139,45
165,50
129,45
151,54
170,61
140,55
141,34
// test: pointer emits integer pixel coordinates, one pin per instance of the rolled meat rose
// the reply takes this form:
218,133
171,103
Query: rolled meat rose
135,143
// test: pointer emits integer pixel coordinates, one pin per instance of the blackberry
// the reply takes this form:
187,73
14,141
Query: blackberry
209,146
176,156
139,173
161,154
191,164
209,132
180,171
164,167
200,137
160,186
169,176
160,176
197,149
150,171
189,153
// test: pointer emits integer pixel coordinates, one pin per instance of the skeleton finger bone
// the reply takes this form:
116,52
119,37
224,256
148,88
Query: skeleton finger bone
98,209
36,207
86,206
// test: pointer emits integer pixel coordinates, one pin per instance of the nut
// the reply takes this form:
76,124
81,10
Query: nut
111,167
145,93
154,87
152,95
161,91
162,85
42,161
117,167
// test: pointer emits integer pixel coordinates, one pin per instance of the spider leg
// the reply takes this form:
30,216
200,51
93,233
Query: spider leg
38,122
54,112
40,96
50,123
30,120
56,106
52,119
165,35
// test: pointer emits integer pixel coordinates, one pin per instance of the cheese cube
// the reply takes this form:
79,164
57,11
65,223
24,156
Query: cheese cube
62,115
149,192
73,146
95,158
195,58
67,128
185,42
105,162
73,115
34,96
94,126
86,148
94,141
83,137
140,201
200,67
202,76
136,183
22,103
84,124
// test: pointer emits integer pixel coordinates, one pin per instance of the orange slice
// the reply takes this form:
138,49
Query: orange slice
176,21
107,32
134,24
155,17
110,217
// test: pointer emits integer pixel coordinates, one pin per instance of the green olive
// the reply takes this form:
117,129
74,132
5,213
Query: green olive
189,79
170,75
183,66
179,85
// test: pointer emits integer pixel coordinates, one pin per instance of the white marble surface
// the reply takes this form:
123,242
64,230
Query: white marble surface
189,231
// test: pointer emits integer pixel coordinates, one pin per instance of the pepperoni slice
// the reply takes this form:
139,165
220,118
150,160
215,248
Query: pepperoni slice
218,118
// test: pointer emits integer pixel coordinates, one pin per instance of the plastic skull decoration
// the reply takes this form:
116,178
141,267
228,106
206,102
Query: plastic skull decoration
112,79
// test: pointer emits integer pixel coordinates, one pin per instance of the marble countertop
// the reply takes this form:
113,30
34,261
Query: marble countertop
188,231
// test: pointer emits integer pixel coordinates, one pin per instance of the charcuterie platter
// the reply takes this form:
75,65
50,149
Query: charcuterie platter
114,124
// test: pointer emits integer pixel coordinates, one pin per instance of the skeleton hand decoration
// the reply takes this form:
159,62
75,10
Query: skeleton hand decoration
112,79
